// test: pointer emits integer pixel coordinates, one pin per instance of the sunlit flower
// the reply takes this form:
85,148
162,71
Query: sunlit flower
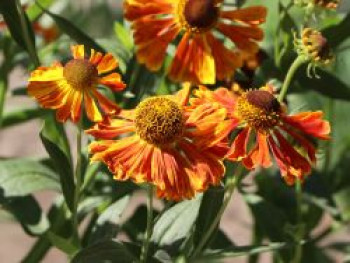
200,56
264,127
314,48
65,88
164,142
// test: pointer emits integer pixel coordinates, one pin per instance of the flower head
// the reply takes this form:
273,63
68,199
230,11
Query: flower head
264,127
314,47
65,88
200,56
165,142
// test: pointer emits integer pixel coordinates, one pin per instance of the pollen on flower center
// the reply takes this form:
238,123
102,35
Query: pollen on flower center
159,121
259,109
80,73
198,15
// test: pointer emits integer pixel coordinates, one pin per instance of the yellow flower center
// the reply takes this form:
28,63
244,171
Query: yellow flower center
198,16
80,73
259,109
159,121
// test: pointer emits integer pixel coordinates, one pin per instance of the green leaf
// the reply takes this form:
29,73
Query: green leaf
109,251
176,223
20,116
209,208
240,251
55,141
19,26
66,245
74,32
124,36
28,213
107,224
20,177
337,34
34,11
327,84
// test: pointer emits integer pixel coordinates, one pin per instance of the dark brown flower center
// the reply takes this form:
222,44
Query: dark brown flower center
201,13
258,109
80,73
263,100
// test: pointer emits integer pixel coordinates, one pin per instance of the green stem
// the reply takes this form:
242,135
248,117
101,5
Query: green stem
230,187
149,229
78,178
290,74
26,34
300,230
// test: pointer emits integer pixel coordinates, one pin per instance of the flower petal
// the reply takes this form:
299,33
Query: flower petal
111,128
254,15
78,51
106,105
135,9
310,123
107,64
92,111
238,149
113,81
226,61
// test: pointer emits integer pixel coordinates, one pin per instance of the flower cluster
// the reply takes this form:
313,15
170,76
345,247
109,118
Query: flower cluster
178,142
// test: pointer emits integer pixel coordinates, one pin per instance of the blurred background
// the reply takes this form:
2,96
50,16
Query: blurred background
97,17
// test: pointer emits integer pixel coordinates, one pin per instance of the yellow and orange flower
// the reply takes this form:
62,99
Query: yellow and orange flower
164,142
200,56
263,127
65,88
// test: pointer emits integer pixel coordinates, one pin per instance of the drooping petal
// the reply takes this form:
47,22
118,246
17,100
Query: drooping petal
111,128
206,168
151,49
304,142
295,163
92,111
193,61
254,15
106,105
310,123
113,81
226,61
77,97
238,149
243,37
64,112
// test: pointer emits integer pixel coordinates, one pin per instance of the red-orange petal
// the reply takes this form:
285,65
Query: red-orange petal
111,128
113,81
254,15
106,105
238,149
107,64
310,123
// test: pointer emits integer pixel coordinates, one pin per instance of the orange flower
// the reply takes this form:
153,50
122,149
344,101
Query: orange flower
164,142
65,88
200,56
264,127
